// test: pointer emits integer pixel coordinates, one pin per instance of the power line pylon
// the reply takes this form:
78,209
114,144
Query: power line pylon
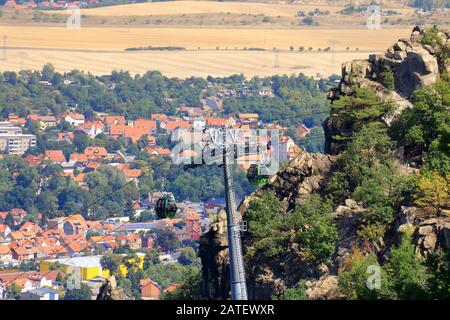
276,63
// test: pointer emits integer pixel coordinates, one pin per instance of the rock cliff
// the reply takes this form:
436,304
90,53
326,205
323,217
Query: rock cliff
413,65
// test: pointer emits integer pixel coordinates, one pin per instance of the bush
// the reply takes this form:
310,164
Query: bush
388,79
296,293
313,229
352,282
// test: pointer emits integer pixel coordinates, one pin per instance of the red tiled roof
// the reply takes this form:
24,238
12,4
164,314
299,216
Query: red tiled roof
55,155
75,116
95,151
78,157
172,125
215,122
4,249
114,120
144,123
160,116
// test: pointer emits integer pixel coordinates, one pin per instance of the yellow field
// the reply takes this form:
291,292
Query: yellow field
201,7
181,64
101,50
113,38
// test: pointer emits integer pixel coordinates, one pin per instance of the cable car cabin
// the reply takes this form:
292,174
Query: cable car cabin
166,207
256,175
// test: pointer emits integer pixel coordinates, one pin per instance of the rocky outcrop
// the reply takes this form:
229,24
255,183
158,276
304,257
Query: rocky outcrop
214,256
110,291
432,235
412,64
293,183
297,180
323,289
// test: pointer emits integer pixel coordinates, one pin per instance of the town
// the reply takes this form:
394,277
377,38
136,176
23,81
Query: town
41,248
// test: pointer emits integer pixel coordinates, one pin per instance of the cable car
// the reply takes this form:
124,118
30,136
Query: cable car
256,175
166,207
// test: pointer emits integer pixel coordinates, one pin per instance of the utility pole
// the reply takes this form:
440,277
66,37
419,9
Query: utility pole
237,269
276,63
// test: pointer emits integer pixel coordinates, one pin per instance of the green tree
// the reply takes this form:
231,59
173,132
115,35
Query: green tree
111,262
408,276
296,293
13,291
188,256
433,191
313,229
265,217
353,280
84,293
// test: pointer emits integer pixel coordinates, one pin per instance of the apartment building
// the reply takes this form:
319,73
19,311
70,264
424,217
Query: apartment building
13,141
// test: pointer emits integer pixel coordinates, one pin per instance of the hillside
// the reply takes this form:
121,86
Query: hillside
321,225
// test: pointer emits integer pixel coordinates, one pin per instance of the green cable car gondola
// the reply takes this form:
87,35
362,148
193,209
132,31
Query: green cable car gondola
166,207
256,175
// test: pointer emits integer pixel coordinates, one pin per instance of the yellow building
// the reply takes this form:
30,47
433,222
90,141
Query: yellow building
89,266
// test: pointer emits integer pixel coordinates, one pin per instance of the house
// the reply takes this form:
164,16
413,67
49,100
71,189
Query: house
95,152
65,136
31,227
72,225
56,156
17,215
40,294
3,215
303,131
5,254
171,288
75,119
213,103
22,254
250,119
148,125
48,121
4,230
79,158
158,151
150,290
288,149
92,128
173,124
120,157
190,111
134,134
159,117
215,122
34,160
114,120
133,241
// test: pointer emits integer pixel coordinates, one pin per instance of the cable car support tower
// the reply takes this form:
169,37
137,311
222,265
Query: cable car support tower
237,269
